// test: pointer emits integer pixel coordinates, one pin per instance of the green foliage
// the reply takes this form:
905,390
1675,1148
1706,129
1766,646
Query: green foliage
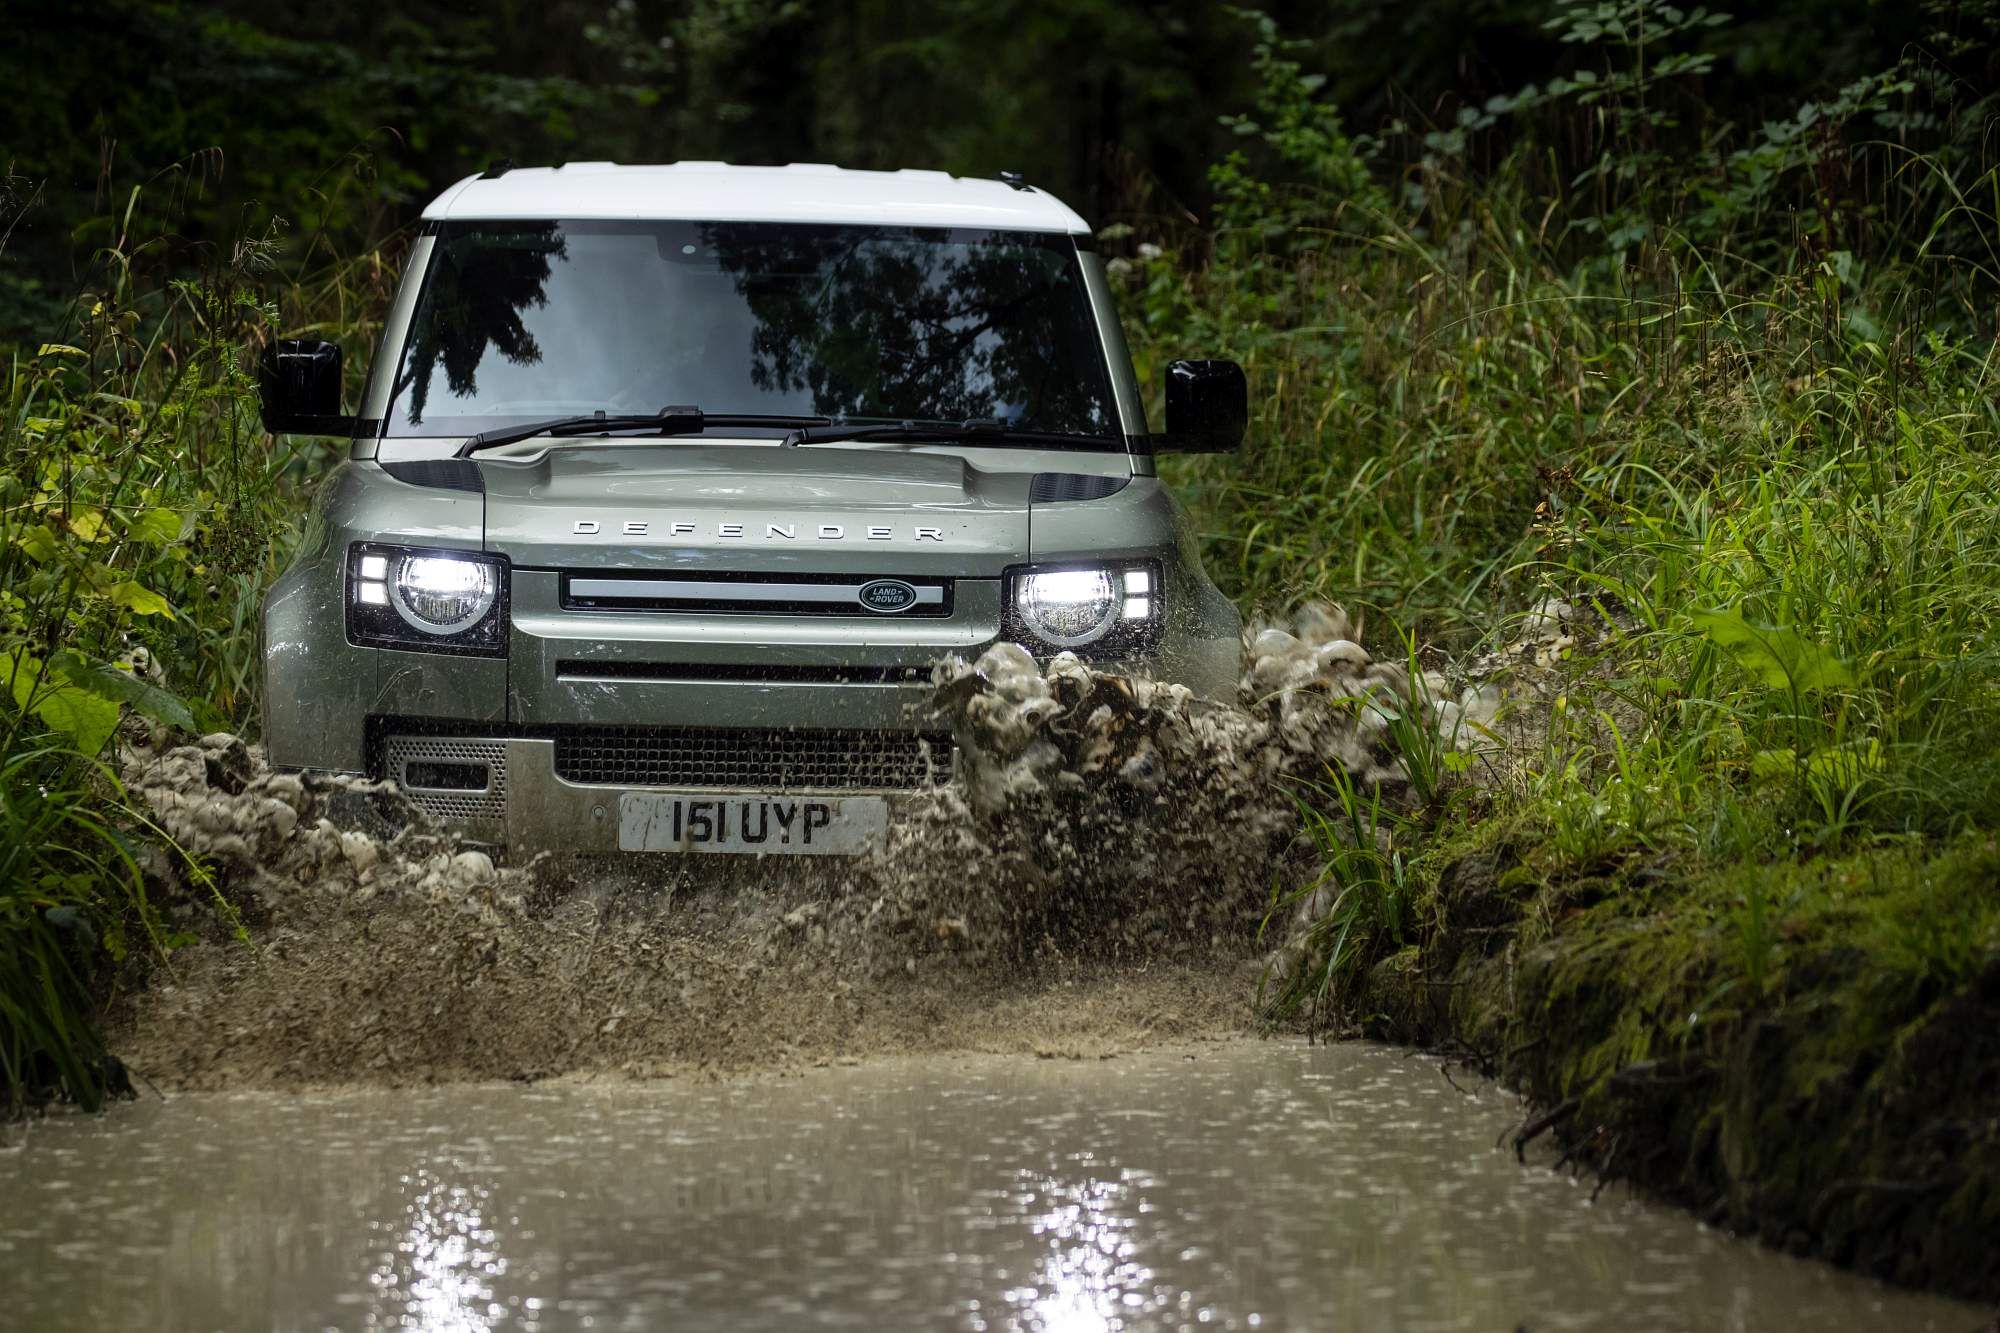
1656,160
145,507
142,511
1323,171
1779,656
1762,465
347,119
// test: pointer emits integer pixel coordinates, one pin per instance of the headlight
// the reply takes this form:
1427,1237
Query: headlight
1105,609
441,594
429,601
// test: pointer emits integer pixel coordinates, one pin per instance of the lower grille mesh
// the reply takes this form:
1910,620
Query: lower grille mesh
791,760
402,754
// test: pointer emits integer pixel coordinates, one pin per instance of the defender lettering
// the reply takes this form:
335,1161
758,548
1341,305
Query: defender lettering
826,532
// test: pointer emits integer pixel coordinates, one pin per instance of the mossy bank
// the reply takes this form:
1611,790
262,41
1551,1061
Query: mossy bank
1845,1107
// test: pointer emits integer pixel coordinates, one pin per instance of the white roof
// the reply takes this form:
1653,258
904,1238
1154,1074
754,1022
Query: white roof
718,192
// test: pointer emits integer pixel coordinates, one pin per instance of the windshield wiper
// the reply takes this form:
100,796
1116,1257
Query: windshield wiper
951,430
667,421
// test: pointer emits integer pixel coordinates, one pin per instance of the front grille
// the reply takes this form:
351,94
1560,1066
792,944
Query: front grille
432,770
732,594
773,760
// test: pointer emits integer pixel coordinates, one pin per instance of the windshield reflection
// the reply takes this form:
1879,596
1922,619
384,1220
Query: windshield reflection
519,322
476,297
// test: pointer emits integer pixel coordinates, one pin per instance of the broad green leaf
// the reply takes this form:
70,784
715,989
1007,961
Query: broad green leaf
86,719
131,405
1781,657
1774,765
140,601
38,544
120,686
87,525
1844,767
159,526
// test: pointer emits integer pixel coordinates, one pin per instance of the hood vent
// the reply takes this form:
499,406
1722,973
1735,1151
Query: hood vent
449,474
1055,487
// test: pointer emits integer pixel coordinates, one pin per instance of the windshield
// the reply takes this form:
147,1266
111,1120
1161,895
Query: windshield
525,320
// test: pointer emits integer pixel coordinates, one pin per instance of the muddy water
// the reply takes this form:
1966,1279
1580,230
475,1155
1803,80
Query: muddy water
1233,1185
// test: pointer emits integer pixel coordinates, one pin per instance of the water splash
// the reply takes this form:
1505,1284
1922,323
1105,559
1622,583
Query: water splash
1101,824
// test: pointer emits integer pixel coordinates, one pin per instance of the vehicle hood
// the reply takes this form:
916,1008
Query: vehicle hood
755,508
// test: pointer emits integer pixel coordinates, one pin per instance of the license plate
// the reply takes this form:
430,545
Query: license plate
779,825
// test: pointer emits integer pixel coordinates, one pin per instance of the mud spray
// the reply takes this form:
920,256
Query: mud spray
1094,880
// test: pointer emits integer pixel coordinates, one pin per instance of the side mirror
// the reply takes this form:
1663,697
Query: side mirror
1208,405
298,381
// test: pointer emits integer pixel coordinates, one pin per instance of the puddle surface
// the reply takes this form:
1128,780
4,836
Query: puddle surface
1239,1185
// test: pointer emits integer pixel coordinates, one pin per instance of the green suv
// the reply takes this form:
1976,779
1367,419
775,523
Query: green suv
670,485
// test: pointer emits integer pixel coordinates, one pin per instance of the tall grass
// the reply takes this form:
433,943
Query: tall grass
1762,467
1362,899
69,858
142,511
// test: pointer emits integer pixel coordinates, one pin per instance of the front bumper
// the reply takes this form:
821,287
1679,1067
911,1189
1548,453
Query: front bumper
511,792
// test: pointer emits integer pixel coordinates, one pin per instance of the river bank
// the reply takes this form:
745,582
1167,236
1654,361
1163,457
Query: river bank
1837,1111
1797,1043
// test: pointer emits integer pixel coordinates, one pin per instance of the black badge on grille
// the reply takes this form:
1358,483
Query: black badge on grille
888,595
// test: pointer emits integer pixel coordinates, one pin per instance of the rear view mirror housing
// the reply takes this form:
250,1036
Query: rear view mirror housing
1208,407
298,384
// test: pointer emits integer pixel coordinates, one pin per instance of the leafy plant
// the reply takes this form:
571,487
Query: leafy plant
1324,170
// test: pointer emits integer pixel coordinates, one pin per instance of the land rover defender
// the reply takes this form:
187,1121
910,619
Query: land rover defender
670,485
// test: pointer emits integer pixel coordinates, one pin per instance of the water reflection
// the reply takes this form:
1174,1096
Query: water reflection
1089,1280
437,1272
1219,1187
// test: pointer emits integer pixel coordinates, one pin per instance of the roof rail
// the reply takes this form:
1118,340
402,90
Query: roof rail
500,168
1016,180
